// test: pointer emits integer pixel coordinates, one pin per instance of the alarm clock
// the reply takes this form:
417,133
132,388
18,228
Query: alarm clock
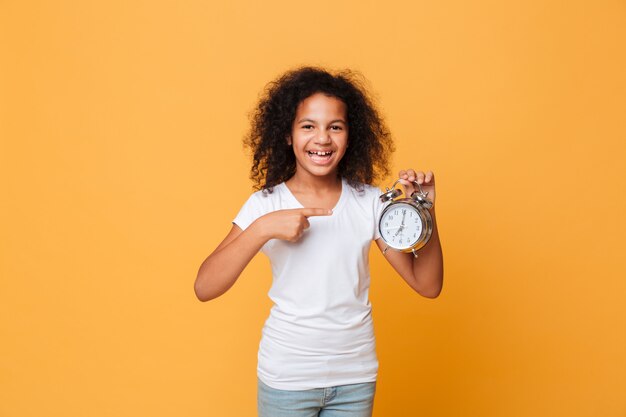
406,224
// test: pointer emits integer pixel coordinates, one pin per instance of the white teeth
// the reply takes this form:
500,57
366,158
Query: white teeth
320,153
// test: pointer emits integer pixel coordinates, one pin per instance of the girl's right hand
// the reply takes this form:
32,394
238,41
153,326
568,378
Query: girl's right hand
288,224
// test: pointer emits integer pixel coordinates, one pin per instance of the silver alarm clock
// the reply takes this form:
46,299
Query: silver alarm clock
406,223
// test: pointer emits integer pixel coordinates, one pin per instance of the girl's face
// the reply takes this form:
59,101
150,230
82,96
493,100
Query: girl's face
319,135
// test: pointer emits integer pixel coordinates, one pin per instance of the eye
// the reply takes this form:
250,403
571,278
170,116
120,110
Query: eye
336,128
307,127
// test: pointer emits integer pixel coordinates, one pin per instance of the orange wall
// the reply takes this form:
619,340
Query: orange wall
121,166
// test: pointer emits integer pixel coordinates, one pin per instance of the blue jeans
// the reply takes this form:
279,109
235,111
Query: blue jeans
355,400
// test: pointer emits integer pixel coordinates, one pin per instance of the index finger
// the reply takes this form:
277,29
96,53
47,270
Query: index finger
308,212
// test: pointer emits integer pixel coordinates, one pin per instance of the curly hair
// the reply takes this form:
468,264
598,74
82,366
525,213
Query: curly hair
273,160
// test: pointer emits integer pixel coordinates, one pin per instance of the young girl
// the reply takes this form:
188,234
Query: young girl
318,145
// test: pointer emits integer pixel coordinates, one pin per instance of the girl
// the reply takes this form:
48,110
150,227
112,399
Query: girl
318,145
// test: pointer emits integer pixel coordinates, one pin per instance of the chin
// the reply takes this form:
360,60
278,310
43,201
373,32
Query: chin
320,172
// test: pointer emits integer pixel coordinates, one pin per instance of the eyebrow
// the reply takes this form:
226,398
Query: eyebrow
313,121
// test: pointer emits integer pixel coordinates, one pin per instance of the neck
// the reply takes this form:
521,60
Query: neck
312,182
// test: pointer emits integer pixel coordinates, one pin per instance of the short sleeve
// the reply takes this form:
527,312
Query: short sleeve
249,212
378,207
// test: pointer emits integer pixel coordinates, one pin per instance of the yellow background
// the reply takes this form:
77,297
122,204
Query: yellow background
121,166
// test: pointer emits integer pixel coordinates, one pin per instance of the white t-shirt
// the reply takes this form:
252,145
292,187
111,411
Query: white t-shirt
319,332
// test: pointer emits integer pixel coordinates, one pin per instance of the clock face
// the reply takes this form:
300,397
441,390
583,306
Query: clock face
401,225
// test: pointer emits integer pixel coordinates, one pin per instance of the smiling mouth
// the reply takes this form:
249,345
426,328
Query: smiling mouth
320,156
320,153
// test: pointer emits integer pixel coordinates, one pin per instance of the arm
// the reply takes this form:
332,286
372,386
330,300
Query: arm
425,273
220,270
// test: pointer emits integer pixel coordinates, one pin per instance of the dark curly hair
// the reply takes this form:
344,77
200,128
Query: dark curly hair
273,161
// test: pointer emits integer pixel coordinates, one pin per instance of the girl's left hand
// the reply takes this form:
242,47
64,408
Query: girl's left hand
426,180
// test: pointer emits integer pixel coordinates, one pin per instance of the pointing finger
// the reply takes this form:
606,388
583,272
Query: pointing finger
308,212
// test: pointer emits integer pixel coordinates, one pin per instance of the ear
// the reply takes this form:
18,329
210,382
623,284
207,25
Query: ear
288,140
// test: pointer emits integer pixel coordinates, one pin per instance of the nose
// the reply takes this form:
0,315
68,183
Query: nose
323,137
